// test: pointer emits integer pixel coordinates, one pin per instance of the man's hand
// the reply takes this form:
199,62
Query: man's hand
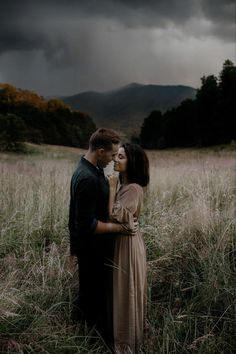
134,229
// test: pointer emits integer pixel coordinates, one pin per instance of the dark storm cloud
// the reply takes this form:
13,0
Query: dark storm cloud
11,39
25,23
101,44
222,14
219,10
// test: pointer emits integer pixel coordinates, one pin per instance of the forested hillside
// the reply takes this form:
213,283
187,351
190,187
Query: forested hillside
25,116
209,119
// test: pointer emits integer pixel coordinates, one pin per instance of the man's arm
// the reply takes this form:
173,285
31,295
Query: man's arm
108,227
85,220
85,206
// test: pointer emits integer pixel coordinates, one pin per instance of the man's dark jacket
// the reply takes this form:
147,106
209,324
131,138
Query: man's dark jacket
88,204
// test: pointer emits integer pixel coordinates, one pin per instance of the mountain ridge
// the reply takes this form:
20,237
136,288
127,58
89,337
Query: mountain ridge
125,108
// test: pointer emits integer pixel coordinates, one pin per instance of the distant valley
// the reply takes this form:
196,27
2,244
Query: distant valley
124,109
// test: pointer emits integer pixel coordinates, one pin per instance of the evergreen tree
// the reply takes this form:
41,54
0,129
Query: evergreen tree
207,99
151,136
227,101
207,120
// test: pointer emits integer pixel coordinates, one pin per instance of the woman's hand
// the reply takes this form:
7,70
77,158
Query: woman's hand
113,180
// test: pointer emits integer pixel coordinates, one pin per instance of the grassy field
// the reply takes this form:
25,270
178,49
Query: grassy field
189,225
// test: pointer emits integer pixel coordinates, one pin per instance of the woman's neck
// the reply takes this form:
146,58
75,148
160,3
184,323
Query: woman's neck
124,179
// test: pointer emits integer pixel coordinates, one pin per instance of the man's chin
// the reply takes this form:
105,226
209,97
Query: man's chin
102,165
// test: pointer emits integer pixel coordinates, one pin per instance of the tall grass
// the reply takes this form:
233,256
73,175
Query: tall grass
190,229
188,221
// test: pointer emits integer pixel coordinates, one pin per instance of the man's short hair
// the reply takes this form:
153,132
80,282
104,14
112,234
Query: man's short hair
103,138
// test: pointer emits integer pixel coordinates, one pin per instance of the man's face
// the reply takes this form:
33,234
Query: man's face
106,156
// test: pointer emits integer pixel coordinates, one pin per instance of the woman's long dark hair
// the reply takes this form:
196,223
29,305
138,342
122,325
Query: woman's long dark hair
137,165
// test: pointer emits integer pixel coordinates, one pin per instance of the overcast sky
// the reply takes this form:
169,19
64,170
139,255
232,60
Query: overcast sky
63,47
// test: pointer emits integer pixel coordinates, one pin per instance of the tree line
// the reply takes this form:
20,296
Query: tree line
26,116
209,119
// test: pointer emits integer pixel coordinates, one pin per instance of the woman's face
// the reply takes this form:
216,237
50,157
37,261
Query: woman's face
120,161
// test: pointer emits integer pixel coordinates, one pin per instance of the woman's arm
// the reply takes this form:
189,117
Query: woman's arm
122,211
113,180
111,226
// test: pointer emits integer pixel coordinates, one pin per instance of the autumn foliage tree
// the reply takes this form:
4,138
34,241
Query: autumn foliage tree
45,121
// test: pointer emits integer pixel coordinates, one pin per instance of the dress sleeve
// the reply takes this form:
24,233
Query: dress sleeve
125,207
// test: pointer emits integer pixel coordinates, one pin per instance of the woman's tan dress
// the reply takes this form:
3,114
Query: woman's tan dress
129,276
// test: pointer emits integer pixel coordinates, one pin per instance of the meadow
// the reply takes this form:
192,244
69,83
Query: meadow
188,221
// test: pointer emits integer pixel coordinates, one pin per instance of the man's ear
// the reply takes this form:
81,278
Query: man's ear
100,151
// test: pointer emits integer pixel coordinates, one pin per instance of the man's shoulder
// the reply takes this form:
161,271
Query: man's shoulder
84,182
82,174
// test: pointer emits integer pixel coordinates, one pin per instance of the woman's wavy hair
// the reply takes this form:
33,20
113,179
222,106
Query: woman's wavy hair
137,164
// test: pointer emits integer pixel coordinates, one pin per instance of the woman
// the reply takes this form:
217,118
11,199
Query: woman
129,275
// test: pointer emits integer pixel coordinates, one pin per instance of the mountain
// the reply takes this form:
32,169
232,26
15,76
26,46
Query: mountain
124,109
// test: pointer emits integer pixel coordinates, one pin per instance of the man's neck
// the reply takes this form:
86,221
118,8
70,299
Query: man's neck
91,157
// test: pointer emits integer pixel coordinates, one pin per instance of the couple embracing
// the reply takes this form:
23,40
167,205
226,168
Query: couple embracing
105,238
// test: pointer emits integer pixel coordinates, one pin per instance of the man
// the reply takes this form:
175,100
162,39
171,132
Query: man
91,235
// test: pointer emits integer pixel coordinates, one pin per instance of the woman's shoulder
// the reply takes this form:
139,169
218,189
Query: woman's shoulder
133,187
